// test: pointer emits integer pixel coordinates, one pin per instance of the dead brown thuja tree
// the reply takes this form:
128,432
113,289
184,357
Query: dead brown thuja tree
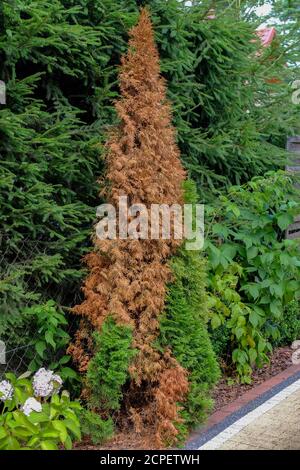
128,277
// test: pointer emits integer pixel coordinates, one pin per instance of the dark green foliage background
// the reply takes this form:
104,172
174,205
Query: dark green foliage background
59,61
56,60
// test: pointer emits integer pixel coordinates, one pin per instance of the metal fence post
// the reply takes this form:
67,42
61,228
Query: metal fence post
293,146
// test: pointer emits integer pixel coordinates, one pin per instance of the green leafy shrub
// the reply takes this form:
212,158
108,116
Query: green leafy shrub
50,339
98,429
253,270
28,421
44,327
108,369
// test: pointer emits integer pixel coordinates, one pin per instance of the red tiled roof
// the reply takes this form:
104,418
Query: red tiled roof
266,35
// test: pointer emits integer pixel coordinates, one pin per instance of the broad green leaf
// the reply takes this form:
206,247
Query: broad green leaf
49,338
284,220
74,427
254,318
40,347
48,445
252,252
252,355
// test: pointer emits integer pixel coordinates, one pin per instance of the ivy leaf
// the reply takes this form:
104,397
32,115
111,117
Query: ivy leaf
261,345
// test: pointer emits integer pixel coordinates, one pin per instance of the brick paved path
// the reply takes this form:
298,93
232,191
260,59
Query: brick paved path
266,417
276,429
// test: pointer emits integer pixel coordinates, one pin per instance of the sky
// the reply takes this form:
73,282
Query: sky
263,10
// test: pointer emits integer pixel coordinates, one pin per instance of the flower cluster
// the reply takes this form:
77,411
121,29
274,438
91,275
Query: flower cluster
6,390
46,383
31,404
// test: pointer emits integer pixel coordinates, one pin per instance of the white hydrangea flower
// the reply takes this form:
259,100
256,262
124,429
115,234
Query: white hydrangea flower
6,390
42,385
45,382
31,404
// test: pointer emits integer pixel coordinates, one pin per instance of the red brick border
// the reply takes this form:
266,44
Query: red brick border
248,396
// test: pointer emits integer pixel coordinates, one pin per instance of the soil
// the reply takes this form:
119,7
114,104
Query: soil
223,394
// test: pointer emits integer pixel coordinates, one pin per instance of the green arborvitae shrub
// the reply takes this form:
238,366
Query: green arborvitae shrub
183,328
96,428
108,369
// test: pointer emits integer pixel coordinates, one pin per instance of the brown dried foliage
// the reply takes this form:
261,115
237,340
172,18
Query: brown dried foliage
128,277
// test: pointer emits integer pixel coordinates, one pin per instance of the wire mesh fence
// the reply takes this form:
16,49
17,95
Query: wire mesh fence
19,290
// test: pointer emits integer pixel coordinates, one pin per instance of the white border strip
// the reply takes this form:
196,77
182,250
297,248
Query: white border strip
217,441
